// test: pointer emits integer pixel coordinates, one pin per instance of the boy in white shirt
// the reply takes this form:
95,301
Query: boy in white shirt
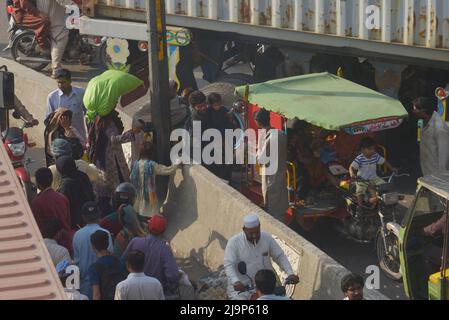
365,166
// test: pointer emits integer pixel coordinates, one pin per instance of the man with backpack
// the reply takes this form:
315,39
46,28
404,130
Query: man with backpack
107,271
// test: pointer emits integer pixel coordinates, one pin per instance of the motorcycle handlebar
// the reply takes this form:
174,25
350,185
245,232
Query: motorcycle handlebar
388,178
27,124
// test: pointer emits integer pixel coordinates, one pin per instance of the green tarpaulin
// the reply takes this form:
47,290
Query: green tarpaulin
324,100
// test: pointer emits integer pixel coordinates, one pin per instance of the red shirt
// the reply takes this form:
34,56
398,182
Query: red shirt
50,204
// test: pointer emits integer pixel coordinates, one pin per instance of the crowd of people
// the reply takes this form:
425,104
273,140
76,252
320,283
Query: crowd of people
99,213
103,215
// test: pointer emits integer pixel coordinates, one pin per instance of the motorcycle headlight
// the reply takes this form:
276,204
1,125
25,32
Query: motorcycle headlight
17,149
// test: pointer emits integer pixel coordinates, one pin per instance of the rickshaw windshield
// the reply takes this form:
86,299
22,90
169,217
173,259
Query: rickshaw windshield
428,202
327,101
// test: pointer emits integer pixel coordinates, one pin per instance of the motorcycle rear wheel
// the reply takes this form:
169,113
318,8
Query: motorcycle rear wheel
21,46
391,267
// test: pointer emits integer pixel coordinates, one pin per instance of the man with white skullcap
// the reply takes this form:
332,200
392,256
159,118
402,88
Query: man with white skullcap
255,249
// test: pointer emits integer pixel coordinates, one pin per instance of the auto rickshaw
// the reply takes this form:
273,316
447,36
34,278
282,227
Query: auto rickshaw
339,112
424,258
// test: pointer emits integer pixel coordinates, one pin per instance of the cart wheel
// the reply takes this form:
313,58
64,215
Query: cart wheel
306,224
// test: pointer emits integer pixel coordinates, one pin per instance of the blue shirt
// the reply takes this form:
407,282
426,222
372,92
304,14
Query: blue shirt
108,261
159,260
84,255
73,102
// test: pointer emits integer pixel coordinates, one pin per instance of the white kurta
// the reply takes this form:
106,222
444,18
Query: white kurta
274,186
257,257
434,147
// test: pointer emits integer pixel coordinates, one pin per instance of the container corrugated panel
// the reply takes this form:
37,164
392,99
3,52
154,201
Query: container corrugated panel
422,23
26,269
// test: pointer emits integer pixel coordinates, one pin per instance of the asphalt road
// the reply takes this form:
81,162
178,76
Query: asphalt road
354,256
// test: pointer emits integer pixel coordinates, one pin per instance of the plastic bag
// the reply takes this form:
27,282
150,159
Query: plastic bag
103,92
213,286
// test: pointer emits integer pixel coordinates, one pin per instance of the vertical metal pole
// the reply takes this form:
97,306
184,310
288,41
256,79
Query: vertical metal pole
159,91
443,280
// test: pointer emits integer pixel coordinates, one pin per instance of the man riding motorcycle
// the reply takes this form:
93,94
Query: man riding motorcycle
27,15
254,249
47,18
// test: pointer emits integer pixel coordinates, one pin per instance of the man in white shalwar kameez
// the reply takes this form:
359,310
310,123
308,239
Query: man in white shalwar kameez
274,181
434,146
255,249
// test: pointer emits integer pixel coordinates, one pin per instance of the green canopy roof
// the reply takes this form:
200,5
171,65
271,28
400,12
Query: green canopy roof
324,100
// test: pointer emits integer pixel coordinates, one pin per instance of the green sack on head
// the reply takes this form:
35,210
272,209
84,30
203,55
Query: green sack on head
103,92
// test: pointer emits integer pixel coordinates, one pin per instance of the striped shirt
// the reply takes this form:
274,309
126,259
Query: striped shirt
367,168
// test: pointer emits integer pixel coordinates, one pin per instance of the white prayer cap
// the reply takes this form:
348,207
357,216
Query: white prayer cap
251,221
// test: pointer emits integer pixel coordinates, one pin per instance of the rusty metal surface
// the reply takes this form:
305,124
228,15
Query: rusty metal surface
26,269
411,22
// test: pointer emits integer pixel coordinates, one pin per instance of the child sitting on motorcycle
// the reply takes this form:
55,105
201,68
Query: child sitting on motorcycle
364,171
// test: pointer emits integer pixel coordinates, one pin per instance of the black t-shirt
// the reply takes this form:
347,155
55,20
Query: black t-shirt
219,119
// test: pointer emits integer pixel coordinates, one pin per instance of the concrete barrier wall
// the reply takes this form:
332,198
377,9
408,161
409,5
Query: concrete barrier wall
204,212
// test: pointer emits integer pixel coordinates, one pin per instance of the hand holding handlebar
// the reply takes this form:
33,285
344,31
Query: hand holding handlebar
240,287
292,279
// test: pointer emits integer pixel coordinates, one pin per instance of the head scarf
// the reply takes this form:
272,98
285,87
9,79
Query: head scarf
54,125
61,147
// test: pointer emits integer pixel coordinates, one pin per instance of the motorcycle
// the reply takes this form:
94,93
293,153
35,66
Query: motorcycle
16,145
287,289
23,46
368,223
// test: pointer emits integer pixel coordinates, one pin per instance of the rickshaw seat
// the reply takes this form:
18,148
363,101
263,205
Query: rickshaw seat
323,203
338,170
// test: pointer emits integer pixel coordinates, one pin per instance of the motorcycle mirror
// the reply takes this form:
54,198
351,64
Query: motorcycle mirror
16,115
242,267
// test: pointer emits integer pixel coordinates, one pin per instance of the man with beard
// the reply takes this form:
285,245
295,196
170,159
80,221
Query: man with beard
434,146
255,249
